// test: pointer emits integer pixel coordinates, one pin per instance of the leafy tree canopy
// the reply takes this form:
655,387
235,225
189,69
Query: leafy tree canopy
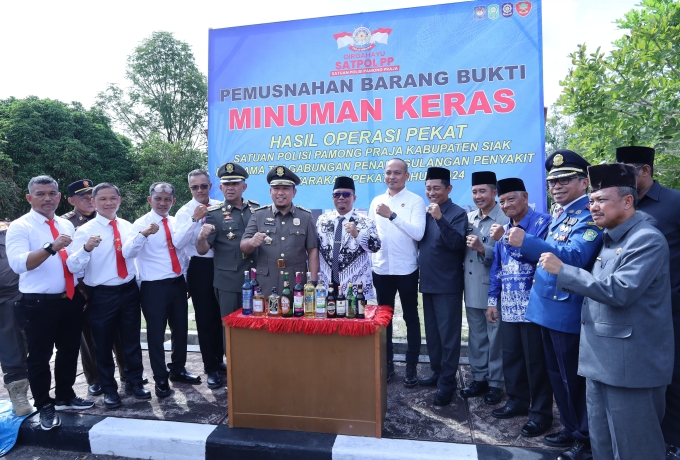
167,95
630,96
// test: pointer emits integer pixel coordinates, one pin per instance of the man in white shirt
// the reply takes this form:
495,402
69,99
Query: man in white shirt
200,276
400,218
346,241
161,264
113,304
36,250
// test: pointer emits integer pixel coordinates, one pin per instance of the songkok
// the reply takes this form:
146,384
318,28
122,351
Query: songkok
344,182
483,178
511,184
612,175
565,163
438,173
80,187
635,155
280,175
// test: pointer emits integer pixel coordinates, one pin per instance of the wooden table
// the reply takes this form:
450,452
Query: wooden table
326,383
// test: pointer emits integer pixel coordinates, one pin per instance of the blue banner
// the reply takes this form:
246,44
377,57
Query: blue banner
458,86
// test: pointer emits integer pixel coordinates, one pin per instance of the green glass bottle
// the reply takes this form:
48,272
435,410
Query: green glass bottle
351,302
286,301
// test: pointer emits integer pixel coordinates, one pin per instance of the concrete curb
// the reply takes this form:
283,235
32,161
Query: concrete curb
157,439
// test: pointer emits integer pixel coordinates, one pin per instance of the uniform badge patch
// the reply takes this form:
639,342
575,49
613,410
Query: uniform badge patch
230,168
558,159
590,235
296,221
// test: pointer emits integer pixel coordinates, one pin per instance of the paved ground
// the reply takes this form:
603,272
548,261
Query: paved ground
39,453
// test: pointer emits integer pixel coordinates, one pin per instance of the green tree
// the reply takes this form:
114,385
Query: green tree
167,95
158,160
630,96
44,136
557,134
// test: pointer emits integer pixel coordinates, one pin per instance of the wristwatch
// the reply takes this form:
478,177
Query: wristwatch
193,219
48,247
393,216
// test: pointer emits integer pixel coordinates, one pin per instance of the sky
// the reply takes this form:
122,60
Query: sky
70,50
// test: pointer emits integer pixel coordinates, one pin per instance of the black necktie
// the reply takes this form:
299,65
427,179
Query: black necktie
336,251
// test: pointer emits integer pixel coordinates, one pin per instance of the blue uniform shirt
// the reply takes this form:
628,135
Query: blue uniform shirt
512,273
575,240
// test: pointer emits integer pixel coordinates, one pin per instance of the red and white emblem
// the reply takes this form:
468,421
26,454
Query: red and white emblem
523,8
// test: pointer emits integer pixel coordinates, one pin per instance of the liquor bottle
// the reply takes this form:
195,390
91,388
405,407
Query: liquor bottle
286,299
310,308
361,302
298,296
330,302
253,279
351,302
340,304
320,300
273,308
259,307
247,294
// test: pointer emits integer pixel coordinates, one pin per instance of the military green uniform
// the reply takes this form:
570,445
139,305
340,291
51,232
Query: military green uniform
285,249
78,219
230,263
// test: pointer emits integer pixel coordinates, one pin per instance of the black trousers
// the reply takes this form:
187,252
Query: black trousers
671,421
207,309
115,310
386,288
561,360
443,320
87,353
526,377
164,302
51,324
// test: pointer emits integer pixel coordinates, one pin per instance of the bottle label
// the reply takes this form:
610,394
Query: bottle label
273,306
320,304
247,299
285,305
298,303
361,304
331,306
258,306
341,307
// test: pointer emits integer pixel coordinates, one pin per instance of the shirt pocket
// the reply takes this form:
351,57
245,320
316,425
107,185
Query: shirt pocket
298,235
228,260
616,331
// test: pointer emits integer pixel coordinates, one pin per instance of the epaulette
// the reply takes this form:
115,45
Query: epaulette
215,207
253,203
263,207
304,209
68,215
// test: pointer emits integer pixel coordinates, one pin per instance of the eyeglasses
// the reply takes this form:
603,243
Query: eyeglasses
561,180
342,194
202,187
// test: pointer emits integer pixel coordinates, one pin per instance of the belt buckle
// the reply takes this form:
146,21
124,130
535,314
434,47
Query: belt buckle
280,263
63,295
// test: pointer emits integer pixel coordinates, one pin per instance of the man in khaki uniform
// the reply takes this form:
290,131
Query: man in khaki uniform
284,234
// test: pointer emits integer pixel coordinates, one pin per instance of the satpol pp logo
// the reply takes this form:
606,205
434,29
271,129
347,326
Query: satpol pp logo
362,39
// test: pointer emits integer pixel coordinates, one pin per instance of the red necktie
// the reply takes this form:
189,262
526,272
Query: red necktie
68,276
118,246
171,247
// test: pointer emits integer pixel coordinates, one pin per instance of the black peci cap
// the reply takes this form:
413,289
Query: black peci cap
635,155
438,173
280,175
612,175
344,182
565,163
511,184
231,172
483,178
80,187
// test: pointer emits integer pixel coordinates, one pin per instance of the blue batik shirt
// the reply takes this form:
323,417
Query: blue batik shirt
512,274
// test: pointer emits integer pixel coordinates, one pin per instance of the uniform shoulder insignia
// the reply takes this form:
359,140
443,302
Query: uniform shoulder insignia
68,215
263,207
215,207
254,203
304,209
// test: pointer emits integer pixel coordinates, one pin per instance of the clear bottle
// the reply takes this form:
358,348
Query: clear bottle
247,295
361,301
259,303
320,298
341,304
298,296
310,307
286,299
273,308
351,302
330,302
